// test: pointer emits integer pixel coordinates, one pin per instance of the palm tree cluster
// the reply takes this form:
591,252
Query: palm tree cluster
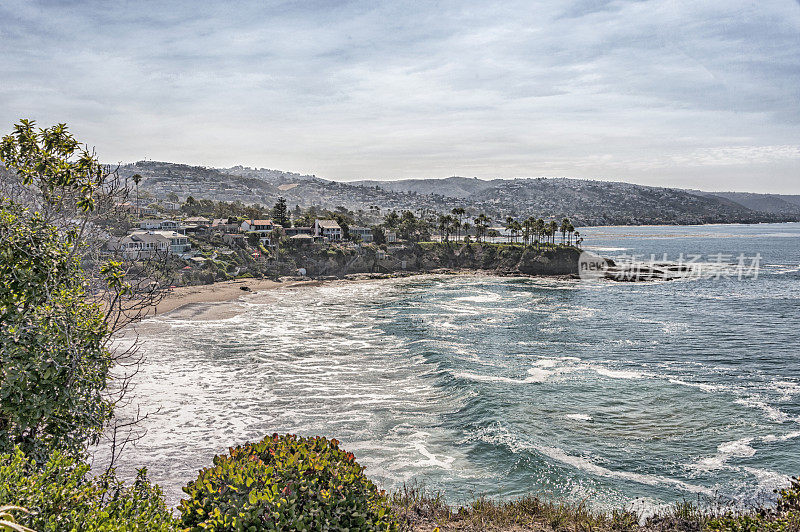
455,224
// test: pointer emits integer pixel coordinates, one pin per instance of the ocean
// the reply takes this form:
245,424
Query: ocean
619,394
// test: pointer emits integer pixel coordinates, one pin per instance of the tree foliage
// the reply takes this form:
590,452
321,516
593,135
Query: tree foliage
50,159
52,341
280,213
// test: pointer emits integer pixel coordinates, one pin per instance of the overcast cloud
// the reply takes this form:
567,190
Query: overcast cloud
673,93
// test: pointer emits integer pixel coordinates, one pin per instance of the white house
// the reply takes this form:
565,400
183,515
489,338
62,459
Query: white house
259,226
328,229
141,245
171,225
160,225
363,233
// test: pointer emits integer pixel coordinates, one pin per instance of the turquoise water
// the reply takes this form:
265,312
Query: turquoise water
618,393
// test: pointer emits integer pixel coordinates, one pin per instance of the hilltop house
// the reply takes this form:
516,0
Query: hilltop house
197,220
160,225
363,233
258,226
328,229
221,225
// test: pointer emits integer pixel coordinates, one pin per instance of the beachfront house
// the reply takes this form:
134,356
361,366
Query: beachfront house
178,242
140,245
328,229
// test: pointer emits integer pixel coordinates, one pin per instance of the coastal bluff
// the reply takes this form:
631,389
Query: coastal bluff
504,259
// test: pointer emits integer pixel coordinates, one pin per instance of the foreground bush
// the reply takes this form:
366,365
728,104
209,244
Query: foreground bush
61,496
285,483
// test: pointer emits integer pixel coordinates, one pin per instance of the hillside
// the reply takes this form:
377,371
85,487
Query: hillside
772,203
584,201
452,187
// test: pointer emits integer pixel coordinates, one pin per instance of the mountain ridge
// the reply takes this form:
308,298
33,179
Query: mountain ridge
586,202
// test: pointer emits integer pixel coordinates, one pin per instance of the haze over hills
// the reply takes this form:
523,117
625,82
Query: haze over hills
586,202
772,203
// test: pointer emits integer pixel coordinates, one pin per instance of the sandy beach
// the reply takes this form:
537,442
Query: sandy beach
219,292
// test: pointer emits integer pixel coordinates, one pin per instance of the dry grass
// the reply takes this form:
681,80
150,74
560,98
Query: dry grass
422,511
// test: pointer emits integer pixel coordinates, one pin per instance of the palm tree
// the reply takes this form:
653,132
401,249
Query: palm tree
539,227
515,230
466,227
552,229
481,224
564,228
509,228
460,212
446,225
136,179
527,228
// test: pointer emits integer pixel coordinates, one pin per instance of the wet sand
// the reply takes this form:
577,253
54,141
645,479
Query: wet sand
186,296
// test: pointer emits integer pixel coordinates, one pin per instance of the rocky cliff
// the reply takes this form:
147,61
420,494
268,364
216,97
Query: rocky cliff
429,257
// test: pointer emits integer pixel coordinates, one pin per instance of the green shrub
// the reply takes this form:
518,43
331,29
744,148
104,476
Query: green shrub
784,518
62,496
285,483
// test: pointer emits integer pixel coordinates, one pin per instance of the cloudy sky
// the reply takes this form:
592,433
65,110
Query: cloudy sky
702,94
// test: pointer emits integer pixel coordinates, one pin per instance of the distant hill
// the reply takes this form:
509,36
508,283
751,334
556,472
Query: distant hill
771,203
452,187
584,201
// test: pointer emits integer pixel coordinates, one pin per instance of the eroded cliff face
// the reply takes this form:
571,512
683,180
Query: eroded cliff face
431,257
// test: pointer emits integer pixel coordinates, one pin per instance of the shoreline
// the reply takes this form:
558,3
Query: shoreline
226,291
218,292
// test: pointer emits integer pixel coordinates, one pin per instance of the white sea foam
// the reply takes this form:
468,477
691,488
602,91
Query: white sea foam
536,377
579,417
431,460
584,464
490,297
725,452
771,412
616,373
700,385
768,480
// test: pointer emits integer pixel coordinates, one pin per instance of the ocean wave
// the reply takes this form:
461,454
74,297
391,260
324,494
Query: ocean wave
536,376
725,452
588,466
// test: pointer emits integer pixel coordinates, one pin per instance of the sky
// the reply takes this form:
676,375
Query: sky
693,94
